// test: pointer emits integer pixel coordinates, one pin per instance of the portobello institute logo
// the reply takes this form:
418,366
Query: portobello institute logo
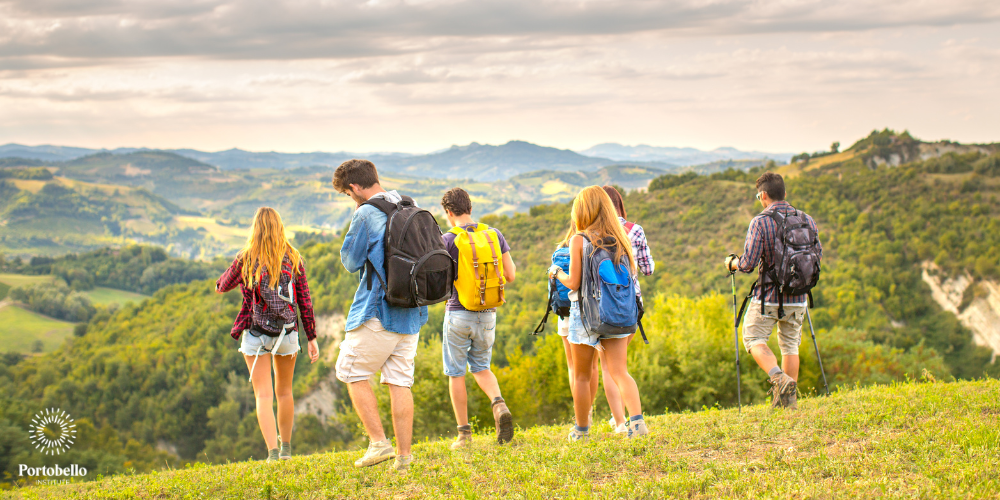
52,431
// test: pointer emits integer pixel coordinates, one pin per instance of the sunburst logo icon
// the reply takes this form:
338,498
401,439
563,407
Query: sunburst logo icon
52,431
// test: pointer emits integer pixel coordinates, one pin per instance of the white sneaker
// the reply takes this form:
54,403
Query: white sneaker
637,428
621,429
575,436
377,453
612,423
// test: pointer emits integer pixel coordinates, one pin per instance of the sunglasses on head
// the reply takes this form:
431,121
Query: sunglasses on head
758,195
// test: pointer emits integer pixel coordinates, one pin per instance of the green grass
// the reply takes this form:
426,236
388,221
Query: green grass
4,288
19,329
13,280
930,440
105,296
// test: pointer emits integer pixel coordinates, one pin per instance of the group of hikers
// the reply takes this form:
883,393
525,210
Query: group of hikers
406,263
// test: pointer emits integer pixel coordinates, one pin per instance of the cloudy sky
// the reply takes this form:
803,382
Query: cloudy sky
420,75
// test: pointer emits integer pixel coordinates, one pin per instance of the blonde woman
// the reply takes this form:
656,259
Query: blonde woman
561,258
272,277
594,216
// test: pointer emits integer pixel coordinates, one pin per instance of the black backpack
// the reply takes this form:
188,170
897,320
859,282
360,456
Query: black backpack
794,269
419,270
274,309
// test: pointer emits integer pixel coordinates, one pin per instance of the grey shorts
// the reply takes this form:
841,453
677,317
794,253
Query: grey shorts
757,328
468,340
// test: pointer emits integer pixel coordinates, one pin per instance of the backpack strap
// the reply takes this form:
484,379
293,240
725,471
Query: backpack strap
496,263
548,307
743,307
388,208
475,270
642,310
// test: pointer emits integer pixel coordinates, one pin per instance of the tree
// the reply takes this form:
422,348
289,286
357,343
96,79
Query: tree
835,147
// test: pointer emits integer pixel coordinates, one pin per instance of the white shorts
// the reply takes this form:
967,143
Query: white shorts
562,326
370,348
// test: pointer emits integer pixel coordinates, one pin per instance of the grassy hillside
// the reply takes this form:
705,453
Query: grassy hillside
107,296
908,440
20,330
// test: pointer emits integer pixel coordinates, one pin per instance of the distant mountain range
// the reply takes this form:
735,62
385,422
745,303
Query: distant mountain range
482,161
677,156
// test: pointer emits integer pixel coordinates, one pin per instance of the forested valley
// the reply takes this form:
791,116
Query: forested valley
160,383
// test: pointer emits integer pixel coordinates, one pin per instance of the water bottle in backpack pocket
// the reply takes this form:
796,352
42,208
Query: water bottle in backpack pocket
608,304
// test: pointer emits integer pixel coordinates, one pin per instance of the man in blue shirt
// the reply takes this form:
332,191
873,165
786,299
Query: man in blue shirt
378,337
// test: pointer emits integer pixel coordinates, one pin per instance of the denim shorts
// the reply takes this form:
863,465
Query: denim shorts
249,344
578,334
468,340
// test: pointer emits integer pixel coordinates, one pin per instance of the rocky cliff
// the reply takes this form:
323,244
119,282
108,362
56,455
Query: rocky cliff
976,303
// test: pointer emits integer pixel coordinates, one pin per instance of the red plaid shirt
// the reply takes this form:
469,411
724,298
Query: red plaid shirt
759,246
234,276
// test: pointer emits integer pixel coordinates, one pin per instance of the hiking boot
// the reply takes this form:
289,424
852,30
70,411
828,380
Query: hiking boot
377,453
637,428
285,453
272,455
783,386
504,421
464,439
575,435
402,463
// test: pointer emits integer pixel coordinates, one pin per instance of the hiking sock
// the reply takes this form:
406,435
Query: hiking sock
635,418
774,372
467,428
497,400
582,430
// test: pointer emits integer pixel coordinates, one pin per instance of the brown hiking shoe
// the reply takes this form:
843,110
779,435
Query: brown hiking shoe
784,392
504,421
464,439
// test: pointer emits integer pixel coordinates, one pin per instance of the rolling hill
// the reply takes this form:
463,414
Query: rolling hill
928,440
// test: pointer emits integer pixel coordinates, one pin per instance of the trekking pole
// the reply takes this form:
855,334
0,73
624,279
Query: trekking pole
736,343
813,333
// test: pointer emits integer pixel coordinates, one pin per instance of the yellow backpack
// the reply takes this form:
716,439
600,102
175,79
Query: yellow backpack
479,280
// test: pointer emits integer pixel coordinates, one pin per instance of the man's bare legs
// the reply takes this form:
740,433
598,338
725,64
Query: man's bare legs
365,403
402,417
459,396
767,361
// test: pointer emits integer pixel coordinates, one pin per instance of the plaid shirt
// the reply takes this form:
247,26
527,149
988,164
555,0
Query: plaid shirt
643,259
760,245
233,277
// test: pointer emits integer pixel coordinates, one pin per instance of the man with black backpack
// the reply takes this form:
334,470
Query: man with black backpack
785,242
404,267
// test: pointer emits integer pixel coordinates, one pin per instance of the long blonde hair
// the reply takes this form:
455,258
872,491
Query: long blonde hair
570,233
267,246
594,215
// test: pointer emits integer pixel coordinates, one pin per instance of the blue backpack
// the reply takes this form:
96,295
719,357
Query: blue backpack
608,303
558,302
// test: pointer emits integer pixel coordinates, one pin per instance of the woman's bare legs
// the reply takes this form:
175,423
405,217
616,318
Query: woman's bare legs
284,367
617,358
569,362
611,392
583,397
265,396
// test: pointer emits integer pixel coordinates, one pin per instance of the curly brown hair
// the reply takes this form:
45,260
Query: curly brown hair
360,172
457,201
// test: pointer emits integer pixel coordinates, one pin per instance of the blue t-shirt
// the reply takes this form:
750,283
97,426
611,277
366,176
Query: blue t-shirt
449,243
